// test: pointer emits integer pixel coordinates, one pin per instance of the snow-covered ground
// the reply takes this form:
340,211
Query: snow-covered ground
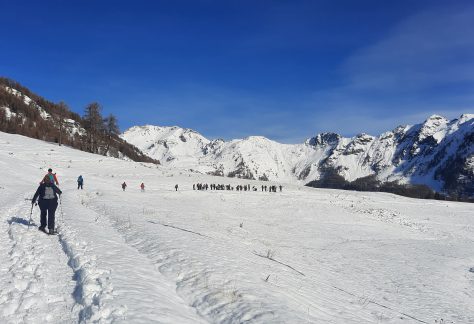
160,256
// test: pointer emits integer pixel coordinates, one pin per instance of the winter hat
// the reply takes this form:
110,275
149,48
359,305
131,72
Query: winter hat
50,170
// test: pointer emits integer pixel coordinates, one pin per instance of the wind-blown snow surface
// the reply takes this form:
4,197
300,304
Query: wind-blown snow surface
160,256
432,153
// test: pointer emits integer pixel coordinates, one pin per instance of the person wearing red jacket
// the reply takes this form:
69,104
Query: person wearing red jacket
52,176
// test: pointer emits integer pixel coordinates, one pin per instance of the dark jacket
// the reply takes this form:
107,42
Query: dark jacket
40,192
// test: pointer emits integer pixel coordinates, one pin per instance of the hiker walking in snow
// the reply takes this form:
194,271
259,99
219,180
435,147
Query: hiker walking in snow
142,187
80,182
124,185
52,177
176,187
281,188
47,195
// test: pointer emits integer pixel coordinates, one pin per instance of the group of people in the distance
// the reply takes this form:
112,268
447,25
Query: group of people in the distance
124,186
212,186
142,186
247,187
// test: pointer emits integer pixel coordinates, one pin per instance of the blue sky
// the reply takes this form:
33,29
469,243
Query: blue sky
229,69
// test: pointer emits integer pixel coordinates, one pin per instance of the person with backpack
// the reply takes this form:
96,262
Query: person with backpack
176,187
80,182
124,185
47,195
52,176
142,186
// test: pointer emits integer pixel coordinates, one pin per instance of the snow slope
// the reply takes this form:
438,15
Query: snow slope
71,126
299,256
433,153
27,100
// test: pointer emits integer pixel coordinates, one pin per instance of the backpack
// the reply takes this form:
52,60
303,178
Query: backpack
49,193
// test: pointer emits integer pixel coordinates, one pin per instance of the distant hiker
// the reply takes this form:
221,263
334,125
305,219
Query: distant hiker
124,185
48,202
80,182
142,186
281,188
194,186
52,176
176,187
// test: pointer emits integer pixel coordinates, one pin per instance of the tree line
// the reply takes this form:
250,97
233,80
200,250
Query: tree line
332,179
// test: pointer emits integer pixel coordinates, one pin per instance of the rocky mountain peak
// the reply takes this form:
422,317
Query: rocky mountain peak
323,139
437,152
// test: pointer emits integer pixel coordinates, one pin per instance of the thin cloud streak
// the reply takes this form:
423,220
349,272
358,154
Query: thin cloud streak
423,66
428,49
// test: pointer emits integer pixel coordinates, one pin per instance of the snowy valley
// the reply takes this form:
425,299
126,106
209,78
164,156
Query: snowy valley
302,255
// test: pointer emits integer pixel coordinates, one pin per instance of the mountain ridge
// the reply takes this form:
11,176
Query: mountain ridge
438,153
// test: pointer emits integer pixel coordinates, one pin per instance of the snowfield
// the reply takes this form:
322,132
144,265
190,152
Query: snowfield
299,256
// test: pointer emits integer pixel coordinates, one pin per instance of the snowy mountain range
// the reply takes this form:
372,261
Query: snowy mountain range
438,152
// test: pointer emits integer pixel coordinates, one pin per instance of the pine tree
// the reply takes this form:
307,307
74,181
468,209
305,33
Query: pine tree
111,130
62,111
94,126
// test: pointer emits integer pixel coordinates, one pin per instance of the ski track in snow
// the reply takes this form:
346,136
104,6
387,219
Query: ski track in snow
50,279
37,284
93,291
122,262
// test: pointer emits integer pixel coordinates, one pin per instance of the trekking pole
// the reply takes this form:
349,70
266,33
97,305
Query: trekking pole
31,214
61,210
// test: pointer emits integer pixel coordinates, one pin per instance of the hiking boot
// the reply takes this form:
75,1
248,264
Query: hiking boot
42,229
51,231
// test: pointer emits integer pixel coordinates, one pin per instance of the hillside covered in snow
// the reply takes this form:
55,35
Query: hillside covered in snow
438,153
26,113
303,255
